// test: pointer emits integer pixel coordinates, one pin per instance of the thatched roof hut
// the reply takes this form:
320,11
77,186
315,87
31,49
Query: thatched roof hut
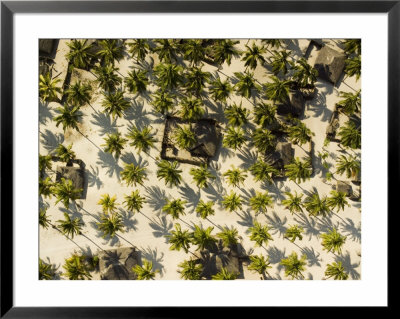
283,155
330,64
294,104
344,187
75,174
208,138
116,264
47,45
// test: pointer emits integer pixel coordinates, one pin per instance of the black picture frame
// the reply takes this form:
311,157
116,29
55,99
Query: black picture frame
9,8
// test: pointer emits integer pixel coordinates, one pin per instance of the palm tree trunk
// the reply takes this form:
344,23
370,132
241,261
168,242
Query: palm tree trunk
88,139
56,228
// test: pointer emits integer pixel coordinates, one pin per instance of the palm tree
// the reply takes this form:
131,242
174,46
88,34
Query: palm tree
350,135
232,202
352,46
134,174
108,203
253,55
138,49
259,264
185,137
262,171
46,187
277,90
333,241
337,271
293,202
264,114
190,269
229,236
220,91
162,102
280,61
137,81
66,154
196,80
179,239
44,220
201,176
299,171
194,51
76,269
79,53
65,191
235,176
70,227
203,238
146,271
169,172
236,114
299,133
353,66
107,77
69,117
316,205
294,232
142,140
260,202
259,234
273,43
192,108
205,209
48,88
294,266
224,50
245,84
224,274
114,143
110,224
110,50
168,76
45,271
263,140
305,75
166,50
44,163
234,138
174,207
114,103
134,202
79,94
349,165
337,200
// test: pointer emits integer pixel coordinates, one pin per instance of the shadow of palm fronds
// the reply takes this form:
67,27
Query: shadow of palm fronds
312,256
162,227
108,162
105,123
308,224
155,257
93,177
156,197
352,231
277,224
348,266
50,141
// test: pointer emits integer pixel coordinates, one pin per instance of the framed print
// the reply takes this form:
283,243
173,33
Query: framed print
228,152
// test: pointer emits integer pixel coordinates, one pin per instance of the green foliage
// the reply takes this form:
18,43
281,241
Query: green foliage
273,43
44,163
234,138
114,144
69,117
166,50
203,238
44,220
185,137
46,187
350,135
65,191
263,140
190,269
236,114
224,50
191,108
79,53
294,232
175,208
352,46
263,171
264,114
205,209
46,271
253,55
134,202
277,90
110,224
299,171
232,202
315,205
353,67
260,202
220,91
76,268
79,94
169,172
294,266
201,176
162,102
224,274
259,234
137,81
107,77
168,76
245,84
337,271
70,227
66,154
299,133
333,241
349,165
293,202
134,174
146,271
142,140
108,203
229,236
110,51
139,48
48,88
114,103
196,80
337,200
235,176
259,264
280,61
179,239
304,75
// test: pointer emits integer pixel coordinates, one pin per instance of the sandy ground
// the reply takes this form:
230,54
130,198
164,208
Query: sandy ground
146,230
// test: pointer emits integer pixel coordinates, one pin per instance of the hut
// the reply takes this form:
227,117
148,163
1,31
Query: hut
333,125
75,174
47,46
116,264
330,64
344,187
294,104
283,155
208,137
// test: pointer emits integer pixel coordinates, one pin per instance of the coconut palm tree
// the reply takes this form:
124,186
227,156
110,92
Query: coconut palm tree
44,163
253,55
69,117
194,51
190,269
232,202
299,171
139,48
110,50
263,171
134,174
66,154
70,227
280,61
205,209
201,176
259,264
229,236
223,51
114,103
273,43
191,108
293,202
294,232
264,114
76,268
203,238
114,143
142,140
224,274
48,88
263,140
337,200
46,187
259,234
168,76
79,94
245,84
277,90
44,220
166,50
162,102
134,202
110,223
299,133
315,205
108,204
45,271
352,46
137,81
294,266
185,137
235,176
353,66
174,207
146,271
304,75
350,135
260,202
333,241
234,138
236,114
79,53
169,172
196,80
349,165
107,77
219,90
66,192
179,239
337,271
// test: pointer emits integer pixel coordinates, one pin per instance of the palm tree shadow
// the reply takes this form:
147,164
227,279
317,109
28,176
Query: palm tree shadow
294,46
105,123
188,194
129,223
325,225
108,162
308,224
152,255
129,158
44,113
56,274
93,177
137,114
73,213
274,189
156,197
247,220
324,86
217,110
247,194
161,228
319,107
351,230
215,195
351,268
50,141
248,156
278,224
276,255
108,240
312,256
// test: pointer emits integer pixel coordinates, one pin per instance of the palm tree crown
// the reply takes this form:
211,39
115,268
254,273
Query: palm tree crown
185,137
245,84
190,269
79,94
316,205
260,202
263,140
264,114
194,51
333,241
353,67
166,50
48,88
110,223
65,191
201,176
337,200
76,269
262,171
304,75
280,61
191,108
69,117
277,90
224,50
205,209
259,264
349,165
294,232
293,202
224,274
337,271
196,80
229,236
108,203
114,103
134,202
235,176
134,174
220,91
114,144
299,171
70,227
236,114
169,172
65,154
162,102
253,55
79,55
350,135
203,238
146,271
259,234
137,81
234,138
107,78
175,208
168,76
110,50
139,48
179,239
142,140
294,266
299,133
232,202
350,103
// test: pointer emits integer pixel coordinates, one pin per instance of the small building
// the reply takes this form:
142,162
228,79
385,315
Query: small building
283,155
116,264
294,104
73,173
333,125
344,187
208,137
330,64
47,46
